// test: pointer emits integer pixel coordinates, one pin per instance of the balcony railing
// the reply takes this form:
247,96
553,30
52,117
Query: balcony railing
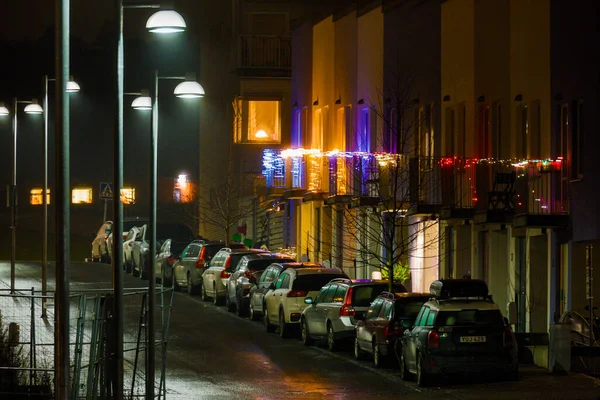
260,51
458,182
425,181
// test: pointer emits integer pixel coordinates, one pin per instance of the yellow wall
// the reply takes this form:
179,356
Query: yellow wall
370,67
323,79
458,66
530,62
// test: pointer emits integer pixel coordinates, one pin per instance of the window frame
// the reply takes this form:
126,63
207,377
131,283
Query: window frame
241,119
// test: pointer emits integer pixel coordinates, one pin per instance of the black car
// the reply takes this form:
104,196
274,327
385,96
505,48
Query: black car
460,330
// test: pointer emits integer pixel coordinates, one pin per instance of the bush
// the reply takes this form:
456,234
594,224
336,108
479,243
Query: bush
11,356
401,273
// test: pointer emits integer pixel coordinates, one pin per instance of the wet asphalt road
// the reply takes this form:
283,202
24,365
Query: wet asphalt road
213,354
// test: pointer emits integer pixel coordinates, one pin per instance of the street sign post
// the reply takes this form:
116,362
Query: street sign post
106,193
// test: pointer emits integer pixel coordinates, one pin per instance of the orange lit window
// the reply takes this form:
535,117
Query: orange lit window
81,196
35,197
128,195
257,121
184,190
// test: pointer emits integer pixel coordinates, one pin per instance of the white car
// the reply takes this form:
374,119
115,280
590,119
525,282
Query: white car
284,302
133,235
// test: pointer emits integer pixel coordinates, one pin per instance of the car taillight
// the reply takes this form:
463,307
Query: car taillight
248,274
347,310
297,293
125,235
199,263
171,260
509,338
392,329
433,340
225,274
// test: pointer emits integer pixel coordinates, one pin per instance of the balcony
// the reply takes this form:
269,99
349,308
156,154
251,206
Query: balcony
459,194
425,177
261,55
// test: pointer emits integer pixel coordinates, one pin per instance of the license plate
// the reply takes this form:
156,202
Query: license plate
472,339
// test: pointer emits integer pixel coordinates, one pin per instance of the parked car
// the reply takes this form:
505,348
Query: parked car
249,267
134,234
164,230
216,277
459,330
188,270
262,285
389,315
168,254
284,302
333,313
100,252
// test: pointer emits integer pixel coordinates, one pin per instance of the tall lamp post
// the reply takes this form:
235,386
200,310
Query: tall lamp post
162,21
187,89
32,107
71,87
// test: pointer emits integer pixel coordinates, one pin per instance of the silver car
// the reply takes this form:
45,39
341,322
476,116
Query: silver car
333,313
249,266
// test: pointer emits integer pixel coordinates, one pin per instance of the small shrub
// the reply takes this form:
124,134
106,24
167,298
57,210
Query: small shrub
401,273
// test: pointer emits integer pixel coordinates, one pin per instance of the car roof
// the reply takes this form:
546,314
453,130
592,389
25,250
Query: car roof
315,271
245,250
266,255
364,282
457,305
296,264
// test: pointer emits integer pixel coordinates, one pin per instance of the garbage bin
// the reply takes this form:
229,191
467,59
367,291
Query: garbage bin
559,357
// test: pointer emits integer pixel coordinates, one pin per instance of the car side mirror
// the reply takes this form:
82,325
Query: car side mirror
308,300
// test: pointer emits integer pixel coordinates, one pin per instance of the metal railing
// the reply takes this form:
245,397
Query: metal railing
262,51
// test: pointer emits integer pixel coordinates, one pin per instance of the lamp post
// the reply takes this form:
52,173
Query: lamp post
162,21
32,107
186,89
71,87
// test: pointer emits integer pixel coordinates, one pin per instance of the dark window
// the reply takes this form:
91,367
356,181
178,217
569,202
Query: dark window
374,309
423,319
286,282
431,318
409,308
469,318
386,310
321,294
260,265
194,251
340,294
279,282
311,283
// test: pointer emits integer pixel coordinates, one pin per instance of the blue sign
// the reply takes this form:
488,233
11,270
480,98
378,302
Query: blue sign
106,191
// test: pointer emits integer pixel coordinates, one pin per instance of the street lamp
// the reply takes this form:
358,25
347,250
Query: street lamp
71,87
163,21
186,89
32,107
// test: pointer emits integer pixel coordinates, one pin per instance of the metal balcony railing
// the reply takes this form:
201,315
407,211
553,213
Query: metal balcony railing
425,181
261,51
458,182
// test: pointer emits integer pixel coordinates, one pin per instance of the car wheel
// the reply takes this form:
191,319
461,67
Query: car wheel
253,315
238,307
191,289
283,327
378,359
228,304
331,342
423,378
268,327
216,298
203,294
405,374
305,335
358,353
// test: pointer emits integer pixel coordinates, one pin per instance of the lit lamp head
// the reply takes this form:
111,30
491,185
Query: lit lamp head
3,110
33,108
261,134
189,90
143,102
166,21
72,86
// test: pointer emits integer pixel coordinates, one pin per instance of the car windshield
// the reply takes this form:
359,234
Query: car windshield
469,318
263,263
314,282
363,295
408,308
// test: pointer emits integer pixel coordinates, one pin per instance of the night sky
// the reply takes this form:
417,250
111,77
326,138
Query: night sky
27,48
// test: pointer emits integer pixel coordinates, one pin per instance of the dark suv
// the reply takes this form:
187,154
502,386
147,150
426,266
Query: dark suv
384,323
333,313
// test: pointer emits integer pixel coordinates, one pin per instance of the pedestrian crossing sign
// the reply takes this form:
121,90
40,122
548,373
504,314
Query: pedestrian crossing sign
106,191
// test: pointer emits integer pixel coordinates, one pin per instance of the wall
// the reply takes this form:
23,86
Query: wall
323,80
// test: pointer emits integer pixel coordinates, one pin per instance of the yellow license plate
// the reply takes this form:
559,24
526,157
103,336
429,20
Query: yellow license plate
472,339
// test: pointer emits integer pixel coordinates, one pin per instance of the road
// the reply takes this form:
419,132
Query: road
213,354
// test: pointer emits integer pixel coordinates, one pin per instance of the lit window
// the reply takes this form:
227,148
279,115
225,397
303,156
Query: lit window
128,196
257,121
36,198
81,196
